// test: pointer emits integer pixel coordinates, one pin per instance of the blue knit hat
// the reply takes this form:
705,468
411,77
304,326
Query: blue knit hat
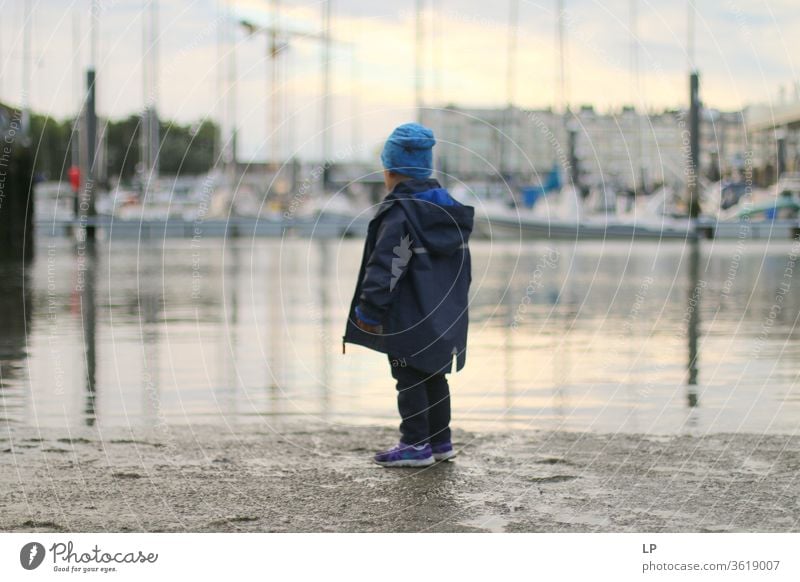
409,151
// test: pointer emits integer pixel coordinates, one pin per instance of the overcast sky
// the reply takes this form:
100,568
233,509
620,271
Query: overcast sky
744,52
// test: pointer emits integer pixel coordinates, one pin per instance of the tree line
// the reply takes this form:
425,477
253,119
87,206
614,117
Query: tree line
183,149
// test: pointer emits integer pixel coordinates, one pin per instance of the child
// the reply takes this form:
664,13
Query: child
411,296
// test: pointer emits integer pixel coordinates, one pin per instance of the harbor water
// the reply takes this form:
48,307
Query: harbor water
635,337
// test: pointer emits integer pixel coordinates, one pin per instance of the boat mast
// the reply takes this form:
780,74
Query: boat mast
26,68
690,38
220,108
511,72
355,136
274,52
75,151
511,58
86,207
231,156
326,90
561,91
418,56
693,188
149,124
438,48
637,101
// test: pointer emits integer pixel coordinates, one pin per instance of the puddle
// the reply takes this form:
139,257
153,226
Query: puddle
492,523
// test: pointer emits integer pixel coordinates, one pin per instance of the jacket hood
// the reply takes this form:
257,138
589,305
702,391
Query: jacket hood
443,224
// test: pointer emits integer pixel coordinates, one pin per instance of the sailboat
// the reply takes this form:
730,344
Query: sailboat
554,209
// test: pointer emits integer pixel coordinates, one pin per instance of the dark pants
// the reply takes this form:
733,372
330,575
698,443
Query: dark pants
423,400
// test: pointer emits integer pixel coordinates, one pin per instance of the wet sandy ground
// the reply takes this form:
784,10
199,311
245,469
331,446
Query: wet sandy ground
291,478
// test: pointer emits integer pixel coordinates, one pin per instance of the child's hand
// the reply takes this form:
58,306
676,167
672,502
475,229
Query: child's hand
378,329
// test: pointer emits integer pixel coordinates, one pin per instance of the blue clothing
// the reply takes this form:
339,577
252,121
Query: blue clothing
409,151
423,400
414,278
438,196
365,318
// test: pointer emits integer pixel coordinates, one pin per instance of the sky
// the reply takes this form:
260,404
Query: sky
743,50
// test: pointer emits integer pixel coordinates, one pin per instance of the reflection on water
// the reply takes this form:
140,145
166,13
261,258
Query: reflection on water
15,301
586,336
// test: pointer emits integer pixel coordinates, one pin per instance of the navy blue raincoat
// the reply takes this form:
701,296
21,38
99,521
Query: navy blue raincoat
414,278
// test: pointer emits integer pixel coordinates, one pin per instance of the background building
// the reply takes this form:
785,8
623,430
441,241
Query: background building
774,139
621,148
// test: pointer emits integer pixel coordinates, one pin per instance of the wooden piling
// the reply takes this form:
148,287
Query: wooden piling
16,188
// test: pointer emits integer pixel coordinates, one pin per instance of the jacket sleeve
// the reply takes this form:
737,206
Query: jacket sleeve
386,266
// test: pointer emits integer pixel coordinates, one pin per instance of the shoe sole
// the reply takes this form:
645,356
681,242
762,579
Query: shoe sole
407,463
444,456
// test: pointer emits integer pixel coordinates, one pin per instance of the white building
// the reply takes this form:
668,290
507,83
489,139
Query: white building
615,148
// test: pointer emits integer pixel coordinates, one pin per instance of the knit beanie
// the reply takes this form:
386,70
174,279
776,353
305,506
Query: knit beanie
409,151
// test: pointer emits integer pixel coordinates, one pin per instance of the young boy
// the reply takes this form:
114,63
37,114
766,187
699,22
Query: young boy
411,298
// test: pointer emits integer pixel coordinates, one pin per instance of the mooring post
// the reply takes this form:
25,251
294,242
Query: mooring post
695,294
694,141
87,208
16,187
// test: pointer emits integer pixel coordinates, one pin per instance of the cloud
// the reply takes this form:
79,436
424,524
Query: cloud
744,51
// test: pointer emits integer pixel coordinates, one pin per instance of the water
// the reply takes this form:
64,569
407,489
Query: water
631,337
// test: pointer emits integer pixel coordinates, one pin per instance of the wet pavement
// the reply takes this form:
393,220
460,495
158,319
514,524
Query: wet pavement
289,477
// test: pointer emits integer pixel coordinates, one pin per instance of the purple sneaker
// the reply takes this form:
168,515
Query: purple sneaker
403,455
443,451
